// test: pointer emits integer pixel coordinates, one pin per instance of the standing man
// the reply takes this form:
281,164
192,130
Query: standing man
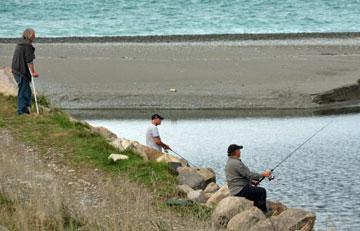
22,61
239,178
153,139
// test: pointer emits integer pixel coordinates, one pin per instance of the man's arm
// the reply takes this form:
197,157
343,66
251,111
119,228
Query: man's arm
159,142
32,70
244,171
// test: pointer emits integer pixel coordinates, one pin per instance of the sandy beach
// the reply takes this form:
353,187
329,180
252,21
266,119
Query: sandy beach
206,75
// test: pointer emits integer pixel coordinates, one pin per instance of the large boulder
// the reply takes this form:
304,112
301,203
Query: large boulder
152,154
276,207
104,132
222,193
124,144
8,85
183,190
121,143
227,209
173,166
246,219
208,195
211,188
166,158
145,152
290,219
207,174
194,180
197,196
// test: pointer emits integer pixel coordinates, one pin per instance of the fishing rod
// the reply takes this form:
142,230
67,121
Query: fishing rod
182,157
290,154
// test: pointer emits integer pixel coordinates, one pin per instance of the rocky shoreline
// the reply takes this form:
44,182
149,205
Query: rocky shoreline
198,185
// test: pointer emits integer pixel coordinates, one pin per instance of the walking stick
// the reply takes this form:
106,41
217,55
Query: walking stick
33,85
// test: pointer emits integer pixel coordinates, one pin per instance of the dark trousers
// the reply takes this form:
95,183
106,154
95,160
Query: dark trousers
24,94
256,194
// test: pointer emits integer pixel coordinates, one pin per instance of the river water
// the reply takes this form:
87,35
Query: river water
322,176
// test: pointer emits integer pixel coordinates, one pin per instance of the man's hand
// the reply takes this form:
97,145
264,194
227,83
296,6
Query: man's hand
35,74
266,173
167,147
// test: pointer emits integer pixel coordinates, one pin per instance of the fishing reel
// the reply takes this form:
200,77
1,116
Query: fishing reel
272,177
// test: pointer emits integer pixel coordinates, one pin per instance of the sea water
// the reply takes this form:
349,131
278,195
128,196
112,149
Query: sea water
54,18
322,176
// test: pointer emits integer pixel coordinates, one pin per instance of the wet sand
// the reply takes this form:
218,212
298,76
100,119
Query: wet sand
280,74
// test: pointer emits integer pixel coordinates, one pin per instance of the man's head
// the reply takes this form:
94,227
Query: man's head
29,35
234,150
156,119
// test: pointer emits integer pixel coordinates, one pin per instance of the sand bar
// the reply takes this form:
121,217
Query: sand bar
262,74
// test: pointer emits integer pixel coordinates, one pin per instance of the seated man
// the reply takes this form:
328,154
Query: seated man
239,179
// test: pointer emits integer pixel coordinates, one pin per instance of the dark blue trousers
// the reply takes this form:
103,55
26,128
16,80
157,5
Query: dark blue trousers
256,194
24,94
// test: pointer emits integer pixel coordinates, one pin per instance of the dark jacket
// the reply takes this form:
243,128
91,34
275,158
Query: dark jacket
238,175
24,53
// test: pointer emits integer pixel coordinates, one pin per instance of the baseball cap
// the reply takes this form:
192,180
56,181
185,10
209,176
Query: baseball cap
157,116
233,147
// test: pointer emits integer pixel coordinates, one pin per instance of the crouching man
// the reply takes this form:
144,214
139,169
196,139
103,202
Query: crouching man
239,179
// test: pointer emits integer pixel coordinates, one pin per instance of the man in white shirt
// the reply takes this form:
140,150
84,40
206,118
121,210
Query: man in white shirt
153,139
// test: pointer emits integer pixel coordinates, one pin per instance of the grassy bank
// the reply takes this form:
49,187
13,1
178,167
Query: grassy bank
80,147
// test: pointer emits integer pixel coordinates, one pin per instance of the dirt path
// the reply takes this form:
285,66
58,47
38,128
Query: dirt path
53,192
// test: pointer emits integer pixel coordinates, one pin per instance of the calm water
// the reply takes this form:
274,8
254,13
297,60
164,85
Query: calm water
323,176
162,17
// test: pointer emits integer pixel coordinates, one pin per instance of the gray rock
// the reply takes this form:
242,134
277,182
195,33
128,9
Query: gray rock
194,180
183,190
173,166
207,174
211,188
197,196
227,209
290,219
222,193
246,219
104,132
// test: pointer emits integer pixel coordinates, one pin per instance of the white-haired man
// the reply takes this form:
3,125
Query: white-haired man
22,62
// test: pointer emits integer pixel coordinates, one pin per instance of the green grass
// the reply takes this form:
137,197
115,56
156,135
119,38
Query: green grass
80,146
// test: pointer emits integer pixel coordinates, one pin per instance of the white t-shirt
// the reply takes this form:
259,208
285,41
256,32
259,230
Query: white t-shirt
151,132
